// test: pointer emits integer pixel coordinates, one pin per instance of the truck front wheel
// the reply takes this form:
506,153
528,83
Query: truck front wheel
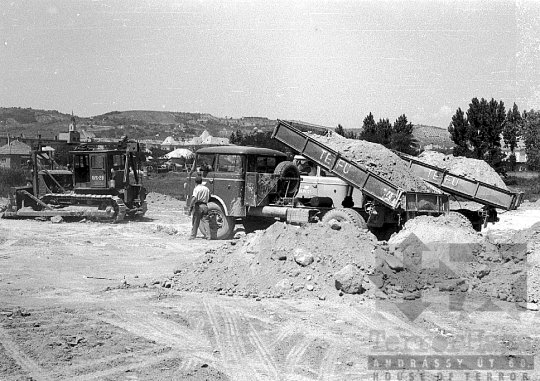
345,215
221,226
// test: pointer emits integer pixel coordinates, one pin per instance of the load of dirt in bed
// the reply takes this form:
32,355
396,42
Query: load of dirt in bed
378,159
472,168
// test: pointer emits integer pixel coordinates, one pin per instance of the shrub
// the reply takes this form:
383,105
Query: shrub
11,178
529,186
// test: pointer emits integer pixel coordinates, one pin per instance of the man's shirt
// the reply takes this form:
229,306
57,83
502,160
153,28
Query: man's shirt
200,194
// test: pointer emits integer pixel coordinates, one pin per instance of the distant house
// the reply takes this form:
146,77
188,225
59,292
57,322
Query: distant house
432,138
169,143
213,140
253,121
14,155
520,154
86,136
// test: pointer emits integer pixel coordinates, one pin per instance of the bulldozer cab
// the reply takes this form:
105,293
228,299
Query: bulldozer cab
103,169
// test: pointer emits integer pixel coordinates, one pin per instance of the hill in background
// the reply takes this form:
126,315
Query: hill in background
143,124
137,124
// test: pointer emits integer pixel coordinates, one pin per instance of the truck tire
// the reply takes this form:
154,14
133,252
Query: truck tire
460,217
289,178
221,226
345,215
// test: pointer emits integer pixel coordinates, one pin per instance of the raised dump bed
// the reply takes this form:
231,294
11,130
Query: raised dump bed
470,189
385,194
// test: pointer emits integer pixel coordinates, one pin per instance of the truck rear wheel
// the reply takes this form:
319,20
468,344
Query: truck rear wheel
221,226
460,217
289,178
345,215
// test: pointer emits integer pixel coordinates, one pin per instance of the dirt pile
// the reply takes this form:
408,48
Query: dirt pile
517,275
158,200
449,255
377,159
430,254
471,168
286,260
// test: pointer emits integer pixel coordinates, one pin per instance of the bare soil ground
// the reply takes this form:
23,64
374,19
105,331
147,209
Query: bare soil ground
90,301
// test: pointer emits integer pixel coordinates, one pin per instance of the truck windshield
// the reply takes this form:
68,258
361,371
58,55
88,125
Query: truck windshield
230,163
205,162
263,164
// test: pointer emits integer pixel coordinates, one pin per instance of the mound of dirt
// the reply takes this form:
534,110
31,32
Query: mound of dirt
284,260
517,277
433,254
475,169
154,199
450,254
377,159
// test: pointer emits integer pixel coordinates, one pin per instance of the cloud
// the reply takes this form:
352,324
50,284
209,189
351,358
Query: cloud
445,111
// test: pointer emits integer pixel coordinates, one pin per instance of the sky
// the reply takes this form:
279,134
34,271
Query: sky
326,62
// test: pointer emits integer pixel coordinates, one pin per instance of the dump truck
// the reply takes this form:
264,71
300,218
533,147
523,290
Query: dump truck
458,186
383,207
257,186
102,183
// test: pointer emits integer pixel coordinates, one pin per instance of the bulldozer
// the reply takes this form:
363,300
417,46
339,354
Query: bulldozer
102,182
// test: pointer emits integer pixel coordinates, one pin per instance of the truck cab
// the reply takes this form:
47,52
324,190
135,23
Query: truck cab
316,183
242,182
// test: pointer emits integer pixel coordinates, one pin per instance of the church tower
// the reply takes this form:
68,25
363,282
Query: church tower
74,137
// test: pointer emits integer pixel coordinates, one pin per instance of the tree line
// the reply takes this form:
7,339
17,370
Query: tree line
397,136
478,133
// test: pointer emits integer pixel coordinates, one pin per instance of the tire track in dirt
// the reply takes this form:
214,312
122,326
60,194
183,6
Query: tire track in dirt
142,363
261,350
136,358
287,330
230,341
22,359
192,347
295,354
163,331
236,345
327,367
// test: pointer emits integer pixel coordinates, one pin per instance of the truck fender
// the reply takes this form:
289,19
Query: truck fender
219,200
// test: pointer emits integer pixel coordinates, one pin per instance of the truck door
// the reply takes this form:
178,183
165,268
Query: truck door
309,184
204,166
98,179
229,182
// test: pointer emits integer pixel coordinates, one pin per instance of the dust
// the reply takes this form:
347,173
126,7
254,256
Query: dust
378,159
472,168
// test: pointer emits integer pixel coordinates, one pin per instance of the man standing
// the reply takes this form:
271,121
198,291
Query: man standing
199,208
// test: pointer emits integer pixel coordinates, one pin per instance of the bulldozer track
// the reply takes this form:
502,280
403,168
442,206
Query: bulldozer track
92,199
